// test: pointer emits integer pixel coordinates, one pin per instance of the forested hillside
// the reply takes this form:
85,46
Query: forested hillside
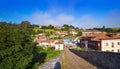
17,49
108,30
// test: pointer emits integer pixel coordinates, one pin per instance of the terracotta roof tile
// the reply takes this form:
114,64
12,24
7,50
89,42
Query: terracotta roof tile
104,36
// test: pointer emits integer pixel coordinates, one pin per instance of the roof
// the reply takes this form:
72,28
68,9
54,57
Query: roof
100,36
58,42
103,36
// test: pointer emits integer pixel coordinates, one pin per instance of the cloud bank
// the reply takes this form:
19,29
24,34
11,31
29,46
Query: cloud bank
41,18
112,19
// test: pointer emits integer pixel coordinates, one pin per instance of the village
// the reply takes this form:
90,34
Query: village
59,34
91,40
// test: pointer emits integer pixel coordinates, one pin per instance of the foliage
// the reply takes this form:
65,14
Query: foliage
50,26
49,53
108,51
16,47
79,33
108,30
82,49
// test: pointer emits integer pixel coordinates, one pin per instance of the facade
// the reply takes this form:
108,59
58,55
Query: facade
59,46
110,45
102,42
46,43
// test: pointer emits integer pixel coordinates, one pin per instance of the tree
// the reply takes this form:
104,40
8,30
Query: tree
16,45
103,28
25,24
50,26
79,33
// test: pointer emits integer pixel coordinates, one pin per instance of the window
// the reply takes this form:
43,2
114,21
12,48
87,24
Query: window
58,45
112,44
118,50
118,43
112,50
106,44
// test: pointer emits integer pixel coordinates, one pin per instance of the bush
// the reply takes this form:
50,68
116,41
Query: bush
46,54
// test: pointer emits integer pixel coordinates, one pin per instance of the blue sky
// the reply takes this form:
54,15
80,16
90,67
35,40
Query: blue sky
80,13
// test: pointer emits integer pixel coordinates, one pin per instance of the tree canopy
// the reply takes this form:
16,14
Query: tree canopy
16,46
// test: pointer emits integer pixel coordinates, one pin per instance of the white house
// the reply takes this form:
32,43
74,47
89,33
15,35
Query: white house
43,43
102,42
59,45
110,45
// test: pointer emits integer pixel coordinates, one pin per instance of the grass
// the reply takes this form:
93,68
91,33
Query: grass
49,53
44,55
82,49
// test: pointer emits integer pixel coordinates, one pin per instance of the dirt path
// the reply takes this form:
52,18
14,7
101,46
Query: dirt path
72,61
53,63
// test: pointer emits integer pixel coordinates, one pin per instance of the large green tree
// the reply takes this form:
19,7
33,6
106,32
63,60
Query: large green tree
16,46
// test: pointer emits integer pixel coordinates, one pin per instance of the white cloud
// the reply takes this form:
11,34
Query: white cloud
65,19
112,19
47,18
39,18
86,21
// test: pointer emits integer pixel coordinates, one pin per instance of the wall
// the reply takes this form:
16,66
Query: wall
102,60
109,47
59,46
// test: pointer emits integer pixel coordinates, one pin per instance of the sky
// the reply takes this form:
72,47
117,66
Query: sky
79,13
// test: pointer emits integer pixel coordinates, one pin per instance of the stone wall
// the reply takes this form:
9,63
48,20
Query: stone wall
102,60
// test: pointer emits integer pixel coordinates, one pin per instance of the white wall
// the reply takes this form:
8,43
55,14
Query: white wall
59,46
109,47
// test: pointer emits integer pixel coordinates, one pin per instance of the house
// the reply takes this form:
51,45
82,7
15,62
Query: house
73,32
90,32
59,45
40,37
42,41
61,33
102,42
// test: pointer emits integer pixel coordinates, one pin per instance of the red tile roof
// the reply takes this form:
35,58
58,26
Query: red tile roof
105,36
60,42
